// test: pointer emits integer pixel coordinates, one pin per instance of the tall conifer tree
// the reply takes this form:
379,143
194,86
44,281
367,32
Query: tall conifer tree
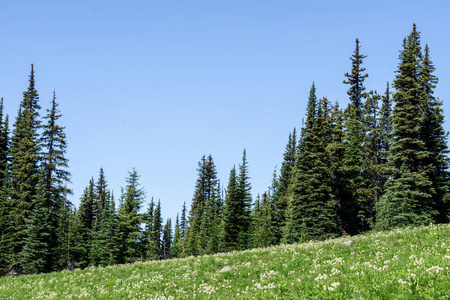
25,149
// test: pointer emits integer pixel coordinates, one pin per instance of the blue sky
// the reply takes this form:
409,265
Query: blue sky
154,85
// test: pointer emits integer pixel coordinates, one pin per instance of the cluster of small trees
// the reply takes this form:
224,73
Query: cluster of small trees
377,164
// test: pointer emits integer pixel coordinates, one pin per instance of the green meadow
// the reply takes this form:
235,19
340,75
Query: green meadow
408,263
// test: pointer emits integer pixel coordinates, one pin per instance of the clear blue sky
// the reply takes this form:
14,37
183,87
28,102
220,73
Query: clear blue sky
154,85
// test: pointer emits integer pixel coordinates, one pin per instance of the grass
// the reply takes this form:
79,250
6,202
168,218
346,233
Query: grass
409,263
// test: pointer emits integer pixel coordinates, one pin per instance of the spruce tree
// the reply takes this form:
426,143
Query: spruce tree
284,183
85,221
130,219
5,218
312,209
25,149
57,176
245,202
435,138
166,242
154,242
356,81
352,202
176,245
409,197
232,214
35,253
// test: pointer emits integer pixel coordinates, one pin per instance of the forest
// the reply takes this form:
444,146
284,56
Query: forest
379,163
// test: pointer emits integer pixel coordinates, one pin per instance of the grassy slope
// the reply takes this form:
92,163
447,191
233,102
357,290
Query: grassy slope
408,263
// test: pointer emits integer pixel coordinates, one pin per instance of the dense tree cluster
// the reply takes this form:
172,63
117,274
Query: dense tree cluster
377,164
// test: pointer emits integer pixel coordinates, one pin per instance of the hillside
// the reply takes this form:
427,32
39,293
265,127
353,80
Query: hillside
411,263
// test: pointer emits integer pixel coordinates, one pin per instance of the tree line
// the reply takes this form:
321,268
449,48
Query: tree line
379,163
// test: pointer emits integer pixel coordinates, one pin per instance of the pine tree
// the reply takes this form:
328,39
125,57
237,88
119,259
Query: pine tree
409,192
130,219
25,150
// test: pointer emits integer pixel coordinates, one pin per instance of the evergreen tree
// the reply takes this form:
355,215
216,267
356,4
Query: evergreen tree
35,253
352,201
245,202
107,243
435,138
5,218
202,208
312,210
25,150
385,131
56,175
284,183
409,192
130,219
148,219
84,222
372,167
176,245
166,243
232,214
356,79
154,246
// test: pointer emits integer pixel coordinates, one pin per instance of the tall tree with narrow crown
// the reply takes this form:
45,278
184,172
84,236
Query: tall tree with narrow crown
25,149
356,79
130,219
409,192
5,219
436,139
245,200
57,176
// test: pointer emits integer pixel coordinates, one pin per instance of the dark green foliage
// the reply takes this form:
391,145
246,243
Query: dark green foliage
204,210
84,226
312,210
5,217
403,203
106,246
35,253
232,214
263,229
356,79
57,177
435,139
25,150
176,245
410,190
166,242
245,202
130,219
154,241
283,186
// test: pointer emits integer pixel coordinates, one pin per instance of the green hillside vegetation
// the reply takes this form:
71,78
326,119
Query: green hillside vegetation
408,263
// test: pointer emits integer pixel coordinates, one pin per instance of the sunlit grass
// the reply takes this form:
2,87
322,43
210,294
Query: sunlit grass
410,263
